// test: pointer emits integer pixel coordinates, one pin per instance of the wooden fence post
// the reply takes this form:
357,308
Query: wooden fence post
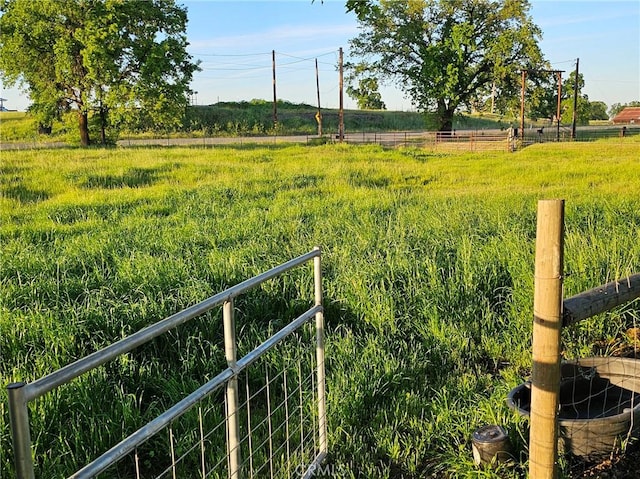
547,324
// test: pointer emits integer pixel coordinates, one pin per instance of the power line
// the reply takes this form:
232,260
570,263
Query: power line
238,68
245,63
307,59
291,63
237,78
230,54
612,81
330,90
209,65
311,59
234,69
573,60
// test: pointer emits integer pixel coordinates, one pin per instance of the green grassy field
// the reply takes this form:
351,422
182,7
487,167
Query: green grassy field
428,281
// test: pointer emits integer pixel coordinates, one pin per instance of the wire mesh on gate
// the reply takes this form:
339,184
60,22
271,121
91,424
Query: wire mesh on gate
278,422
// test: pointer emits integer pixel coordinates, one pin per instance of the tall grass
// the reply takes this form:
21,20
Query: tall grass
428,279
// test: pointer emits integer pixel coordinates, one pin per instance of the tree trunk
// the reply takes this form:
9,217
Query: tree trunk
83,123
103,122
445,117
446,122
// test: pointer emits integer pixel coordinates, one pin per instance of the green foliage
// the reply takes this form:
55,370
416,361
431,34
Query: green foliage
366,92
583,106
568,89
115,59
541,96
21,127
542,99
445,54
583,113
428,264
256,118
17,126
569,85
598,110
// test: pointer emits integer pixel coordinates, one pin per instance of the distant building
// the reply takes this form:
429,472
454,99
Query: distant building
630,115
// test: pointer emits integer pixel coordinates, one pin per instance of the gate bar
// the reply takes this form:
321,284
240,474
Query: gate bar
322,408
233,426
19,418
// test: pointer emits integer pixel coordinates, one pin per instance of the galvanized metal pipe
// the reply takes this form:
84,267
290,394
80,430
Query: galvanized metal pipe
19,418
254,355
233,426
322,409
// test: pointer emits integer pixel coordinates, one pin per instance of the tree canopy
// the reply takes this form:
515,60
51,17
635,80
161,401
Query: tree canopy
583,111
446,53
598,110
115,59
366,92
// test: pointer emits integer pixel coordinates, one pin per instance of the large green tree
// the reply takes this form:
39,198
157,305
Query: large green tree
113,58
598,110
447,53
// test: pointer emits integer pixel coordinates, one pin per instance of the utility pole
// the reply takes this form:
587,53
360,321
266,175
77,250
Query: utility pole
558,108
275,100
319,114
493,97
575,102
341,112
524,78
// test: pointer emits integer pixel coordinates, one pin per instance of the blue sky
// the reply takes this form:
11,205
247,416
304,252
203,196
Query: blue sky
234,41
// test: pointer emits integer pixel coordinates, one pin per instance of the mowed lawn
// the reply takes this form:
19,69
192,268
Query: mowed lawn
428,263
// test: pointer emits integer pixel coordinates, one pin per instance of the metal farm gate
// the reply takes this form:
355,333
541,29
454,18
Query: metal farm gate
250,420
